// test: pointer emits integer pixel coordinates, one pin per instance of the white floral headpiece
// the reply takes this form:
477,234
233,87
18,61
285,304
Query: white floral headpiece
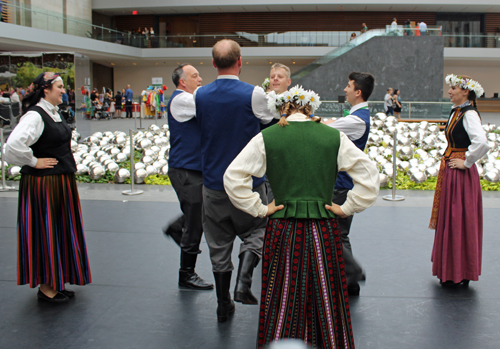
265,84
296,95
466,84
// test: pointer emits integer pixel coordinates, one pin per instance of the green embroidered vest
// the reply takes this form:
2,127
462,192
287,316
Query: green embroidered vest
301,161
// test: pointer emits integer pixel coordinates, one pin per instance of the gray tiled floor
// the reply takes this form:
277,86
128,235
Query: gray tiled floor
134,301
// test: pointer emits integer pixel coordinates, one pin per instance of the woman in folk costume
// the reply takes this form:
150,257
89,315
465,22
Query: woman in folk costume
457,211
51,242
304,288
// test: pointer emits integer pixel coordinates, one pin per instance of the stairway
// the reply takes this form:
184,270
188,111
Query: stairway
338,51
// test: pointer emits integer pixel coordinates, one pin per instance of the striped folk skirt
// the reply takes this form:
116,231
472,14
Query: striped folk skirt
51,242
304,287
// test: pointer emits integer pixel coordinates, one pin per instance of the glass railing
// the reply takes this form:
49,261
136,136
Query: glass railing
35,17
409,110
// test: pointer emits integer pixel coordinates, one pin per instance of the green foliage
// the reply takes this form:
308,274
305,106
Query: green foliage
157,179
489,186
403,182
27,72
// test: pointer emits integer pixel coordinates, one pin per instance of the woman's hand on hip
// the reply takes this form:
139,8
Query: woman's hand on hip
44,163
337,211
457,164
272,208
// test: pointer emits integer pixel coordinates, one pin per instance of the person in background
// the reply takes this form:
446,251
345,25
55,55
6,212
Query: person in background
153,38
397,103
65,99
71,97
14,97
457,210
394,24
94,94
389,102
423,29
408,28
118,104
364,28
353,36
129,95
51,241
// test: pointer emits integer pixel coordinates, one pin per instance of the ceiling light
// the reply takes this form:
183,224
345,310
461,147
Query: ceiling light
246,62
201,62
134,63
293,62
112,64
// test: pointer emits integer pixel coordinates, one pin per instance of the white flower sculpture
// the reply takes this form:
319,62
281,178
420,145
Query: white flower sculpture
297,95
466,84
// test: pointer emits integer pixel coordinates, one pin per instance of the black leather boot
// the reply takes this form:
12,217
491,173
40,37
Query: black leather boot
242,290
187,276
225,305
174,230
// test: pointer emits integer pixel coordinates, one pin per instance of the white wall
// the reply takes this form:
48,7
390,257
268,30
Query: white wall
76,11
487,76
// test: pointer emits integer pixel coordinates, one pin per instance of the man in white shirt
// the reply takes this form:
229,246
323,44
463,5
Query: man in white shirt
185,173
356,127
279,83
280,78
229,112
394,25
423,28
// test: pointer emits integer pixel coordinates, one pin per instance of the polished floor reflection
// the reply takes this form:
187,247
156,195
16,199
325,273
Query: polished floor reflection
134,301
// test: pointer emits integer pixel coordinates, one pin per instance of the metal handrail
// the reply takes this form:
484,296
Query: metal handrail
312,38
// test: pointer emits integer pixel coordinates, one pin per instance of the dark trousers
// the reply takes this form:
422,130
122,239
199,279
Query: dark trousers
390,111
188,187
222,222
128,109
353,269
269,191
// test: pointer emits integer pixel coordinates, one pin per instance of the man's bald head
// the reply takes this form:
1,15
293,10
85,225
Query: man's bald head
226,53
128,86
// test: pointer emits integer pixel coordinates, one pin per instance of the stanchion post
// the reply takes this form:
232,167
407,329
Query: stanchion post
4,186
132,170
140,117
394,197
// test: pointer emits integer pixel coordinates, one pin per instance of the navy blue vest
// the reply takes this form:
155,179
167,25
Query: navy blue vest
344,181
227,124
185,149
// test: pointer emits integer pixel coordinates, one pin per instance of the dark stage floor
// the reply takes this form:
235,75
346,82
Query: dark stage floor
134,301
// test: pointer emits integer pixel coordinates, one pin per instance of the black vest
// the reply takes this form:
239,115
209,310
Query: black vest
55,142
455,131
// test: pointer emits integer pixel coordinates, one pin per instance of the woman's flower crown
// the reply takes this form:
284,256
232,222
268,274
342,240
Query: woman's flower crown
295,95
265,84
466,84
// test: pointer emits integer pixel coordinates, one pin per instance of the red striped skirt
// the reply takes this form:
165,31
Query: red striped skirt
304,288
458,240
51,241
